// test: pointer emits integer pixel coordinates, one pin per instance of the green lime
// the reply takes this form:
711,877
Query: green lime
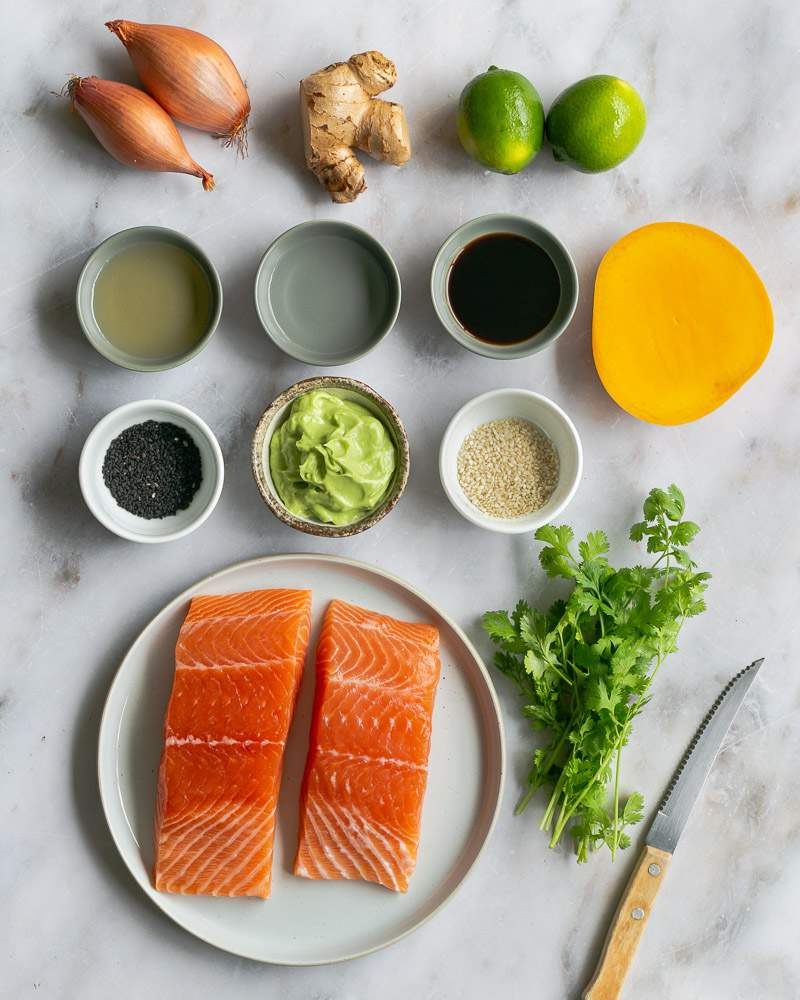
596,123
501,120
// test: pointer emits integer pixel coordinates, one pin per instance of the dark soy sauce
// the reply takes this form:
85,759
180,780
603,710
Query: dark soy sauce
503,288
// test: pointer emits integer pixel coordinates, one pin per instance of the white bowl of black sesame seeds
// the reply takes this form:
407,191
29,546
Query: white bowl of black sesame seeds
510,460
151,471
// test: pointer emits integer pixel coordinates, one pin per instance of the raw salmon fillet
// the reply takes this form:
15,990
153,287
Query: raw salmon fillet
238,665
367,766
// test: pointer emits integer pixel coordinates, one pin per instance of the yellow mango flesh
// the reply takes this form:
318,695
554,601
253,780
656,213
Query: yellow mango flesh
681,320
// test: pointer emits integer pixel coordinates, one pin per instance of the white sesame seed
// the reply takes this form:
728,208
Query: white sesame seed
508,467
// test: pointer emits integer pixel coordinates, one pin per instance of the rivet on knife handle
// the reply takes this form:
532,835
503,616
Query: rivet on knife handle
628,925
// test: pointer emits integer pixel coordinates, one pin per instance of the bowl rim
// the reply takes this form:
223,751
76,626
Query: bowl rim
140,407
447,318
511,526
387,262
157,232
266,427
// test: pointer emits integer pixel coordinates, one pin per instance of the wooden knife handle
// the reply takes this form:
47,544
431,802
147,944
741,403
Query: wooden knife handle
628,925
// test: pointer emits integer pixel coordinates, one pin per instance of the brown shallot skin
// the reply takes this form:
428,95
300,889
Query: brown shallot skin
130,126
190,76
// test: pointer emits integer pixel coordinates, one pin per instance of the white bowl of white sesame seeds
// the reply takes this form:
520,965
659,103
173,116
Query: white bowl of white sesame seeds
510,460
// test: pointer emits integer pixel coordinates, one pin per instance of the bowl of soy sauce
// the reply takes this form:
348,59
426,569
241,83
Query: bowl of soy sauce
504,287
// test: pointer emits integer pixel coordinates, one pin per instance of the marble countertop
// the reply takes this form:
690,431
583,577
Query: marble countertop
723,95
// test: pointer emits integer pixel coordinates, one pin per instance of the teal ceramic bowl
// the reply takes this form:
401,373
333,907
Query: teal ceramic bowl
492,225
84,296
327,292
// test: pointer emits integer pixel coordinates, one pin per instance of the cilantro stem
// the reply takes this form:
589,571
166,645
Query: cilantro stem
563,818
563,677
526,798
615,837
560,823
544,770
545,823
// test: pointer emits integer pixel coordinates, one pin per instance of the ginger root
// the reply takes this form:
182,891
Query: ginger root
340,112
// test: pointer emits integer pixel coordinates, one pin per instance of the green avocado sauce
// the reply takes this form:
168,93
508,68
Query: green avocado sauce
331,460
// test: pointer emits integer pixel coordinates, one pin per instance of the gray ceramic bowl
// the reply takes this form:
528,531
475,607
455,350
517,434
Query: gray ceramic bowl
327,292
273,417
85,292
519,226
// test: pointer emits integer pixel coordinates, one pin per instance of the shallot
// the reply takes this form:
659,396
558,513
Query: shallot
132,127
190,76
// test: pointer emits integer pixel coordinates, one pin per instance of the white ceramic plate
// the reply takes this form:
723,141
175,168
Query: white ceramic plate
306,922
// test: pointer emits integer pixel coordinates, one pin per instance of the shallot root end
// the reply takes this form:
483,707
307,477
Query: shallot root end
69,88
236,138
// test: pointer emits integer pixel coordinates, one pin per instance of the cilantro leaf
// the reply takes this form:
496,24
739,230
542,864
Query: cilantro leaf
595,545
556,558
683,533
634,809
499,626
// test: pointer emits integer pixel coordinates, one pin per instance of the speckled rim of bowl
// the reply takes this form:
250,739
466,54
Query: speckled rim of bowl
269,322
269,423
520,226
95,262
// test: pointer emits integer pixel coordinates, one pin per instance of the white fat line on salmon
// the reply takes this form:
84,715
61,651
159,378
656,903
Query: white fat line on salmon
192,623
367,759
393,843
179,842
224,741
410,688
286,661
391,634
249,835
341,841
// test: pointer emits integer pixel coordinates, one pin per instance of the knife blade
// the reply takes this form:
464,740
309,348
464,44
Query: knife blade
690,776
662,838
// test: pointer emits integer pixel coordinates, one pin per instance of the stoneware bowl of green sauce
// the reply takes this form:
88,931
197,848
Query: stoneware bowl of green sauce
279,414
148,299
122,522
504,287
327,292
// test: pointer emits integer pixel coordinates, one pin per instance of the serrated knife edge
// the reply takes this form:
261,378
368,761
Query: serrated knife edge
669,822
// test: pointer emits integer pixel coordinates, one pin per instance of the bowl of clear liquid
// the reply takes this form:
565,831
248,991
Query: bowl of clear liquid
148,299
327,292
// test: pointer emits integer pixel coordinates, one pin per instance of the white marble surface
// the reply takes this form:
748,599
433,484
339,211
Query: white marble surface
723,92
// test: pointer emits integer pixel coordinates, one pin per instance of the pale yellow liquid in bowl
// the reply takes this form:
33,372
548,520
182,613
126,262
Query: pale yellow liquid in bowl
153,301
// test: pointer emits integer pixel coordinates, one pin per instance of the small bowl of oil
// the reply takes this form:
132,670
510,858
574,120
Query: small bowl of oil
148,299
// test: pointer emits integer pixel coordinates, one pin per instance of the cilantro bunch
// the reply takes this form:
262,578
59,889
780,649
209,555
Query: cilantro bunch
584,667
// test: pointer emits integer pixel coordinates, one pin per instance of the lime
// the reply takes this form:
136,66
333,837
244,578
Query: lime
501,120
596,123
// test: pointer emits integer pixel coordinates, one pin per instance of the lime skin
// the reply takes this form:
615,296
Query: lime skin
501,120
596,123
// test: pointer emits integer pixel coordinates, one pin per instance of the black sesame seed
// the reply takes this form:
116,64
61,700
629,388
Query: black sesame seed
153,469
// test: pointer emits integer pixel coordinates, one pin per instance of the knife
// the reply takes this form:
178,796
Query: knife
682,792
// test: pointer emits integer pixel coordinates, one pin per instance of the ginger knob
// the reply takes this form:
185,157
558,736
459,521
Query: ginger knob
341,112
